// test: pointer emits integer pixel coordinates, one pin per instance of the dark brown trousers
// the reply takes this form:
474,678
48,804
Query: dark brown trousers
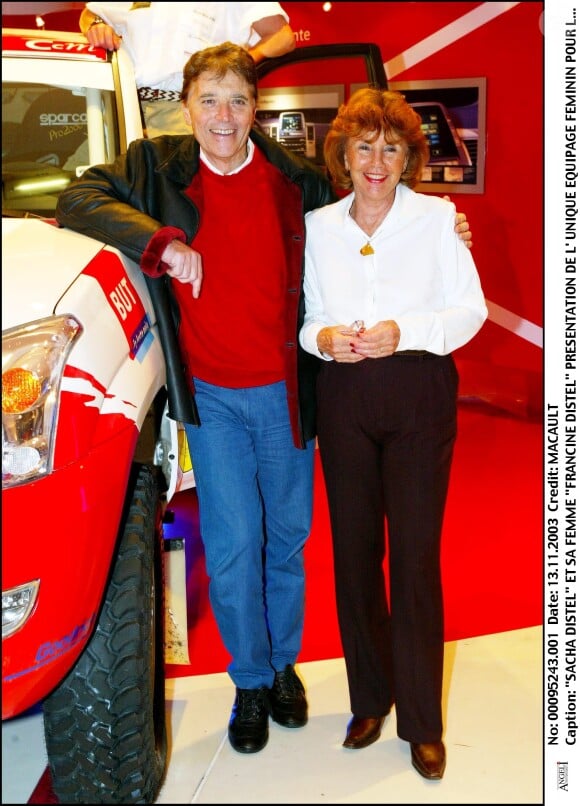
386,431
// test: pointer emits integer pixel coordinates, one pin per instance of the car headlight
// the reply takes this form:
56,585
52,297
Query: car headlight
17,605
33,361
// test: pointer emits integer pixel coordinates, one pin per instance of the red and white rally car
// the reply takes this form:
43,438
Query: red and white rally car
90,459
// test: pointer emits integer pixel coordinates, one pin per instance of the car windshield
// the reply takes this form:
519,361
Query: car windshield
50,134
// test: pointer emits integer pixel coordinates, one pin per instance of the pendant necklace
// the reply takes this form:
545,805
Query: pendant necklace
367,249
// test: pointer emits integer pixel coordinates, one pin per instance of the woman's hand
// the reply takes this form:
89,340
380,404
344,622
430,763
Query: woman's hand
378,341
349,344
337,343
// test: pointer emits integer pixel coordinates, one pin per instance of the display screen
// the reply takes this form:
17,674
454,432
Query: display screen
444,143
291,123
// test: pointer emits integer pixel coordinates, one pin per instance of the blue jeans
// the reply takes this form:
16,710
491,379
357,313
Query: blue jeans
255,492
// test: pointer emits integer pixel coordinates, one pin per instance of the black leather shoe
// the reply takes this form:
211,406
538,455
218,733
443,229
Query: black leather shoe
288,704
429,759
363,731
248,728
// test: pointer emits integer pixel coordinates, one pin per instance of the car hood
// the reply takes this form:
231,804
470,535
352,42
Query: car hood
39,262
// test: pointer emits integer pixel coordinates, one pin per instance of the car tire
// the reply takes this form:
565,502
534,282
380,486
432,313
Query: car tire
105,725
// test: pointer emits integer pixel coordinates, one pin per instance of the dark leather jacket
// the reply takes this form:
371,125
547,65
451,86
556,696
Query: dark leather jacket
126,203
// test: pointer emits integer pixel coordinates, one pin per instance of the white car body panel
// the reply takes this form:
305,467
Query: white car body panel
39,262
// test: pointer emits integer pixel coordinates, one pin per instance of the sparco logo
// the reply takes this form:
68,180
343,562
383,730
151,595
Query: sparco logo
63,119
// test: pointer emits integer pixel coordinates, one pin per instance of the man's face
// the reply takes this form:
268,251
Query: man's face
221,113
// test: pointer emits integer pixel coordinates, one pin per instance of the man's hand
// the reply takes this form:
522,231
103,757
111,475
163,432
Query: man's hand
462,227
99,35
184,265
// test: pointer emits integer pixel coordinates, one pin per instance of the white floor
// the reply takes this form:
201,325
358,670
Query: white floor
493,734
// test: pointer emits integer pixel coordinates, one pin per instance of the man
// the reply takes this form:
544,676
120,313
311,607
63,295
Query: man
160,37
247,395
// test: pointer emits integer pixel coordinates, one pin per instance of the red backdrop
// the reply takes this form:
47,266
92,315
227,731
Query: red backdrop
507,218
499,365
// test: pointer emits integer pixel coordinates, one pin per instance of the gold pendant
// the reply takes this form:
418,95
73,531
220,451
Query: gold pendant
367,249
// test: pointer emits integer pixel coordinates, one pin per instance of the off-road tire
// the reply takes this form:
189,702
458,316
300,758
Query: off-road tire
105,724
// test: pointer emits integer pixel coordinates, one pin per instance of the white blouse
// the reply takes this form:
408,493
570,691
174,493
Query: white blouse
421,274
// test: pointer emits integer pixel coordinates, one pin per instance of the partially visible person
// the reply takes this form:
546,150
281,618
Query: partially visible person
160,37
215,220
390,293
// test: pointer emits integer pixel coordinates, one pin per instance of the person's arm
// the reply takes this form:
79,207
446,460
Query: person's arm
99,204
276,38
98,32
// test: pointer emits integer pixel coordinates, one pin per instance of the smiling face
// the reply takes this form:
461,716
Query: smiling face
375,167
221,113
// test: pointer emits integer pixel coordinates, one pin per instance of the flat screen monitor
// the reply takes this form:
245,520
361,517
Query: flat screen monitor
446,146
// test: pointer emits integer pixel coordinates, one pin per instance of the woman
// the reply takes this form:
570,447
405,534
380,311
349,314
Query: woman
390,292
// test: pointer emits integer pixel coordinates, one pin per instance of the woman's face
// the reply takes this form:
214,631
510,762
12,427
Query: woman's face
375,167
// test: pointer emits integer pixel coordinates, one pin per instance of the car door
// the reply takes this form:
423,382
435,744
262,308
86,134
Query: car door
299,93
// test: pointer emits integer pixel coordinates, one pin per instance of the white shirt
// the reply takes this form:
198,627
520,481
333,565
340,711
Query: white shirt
161,37
245,163
421,274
